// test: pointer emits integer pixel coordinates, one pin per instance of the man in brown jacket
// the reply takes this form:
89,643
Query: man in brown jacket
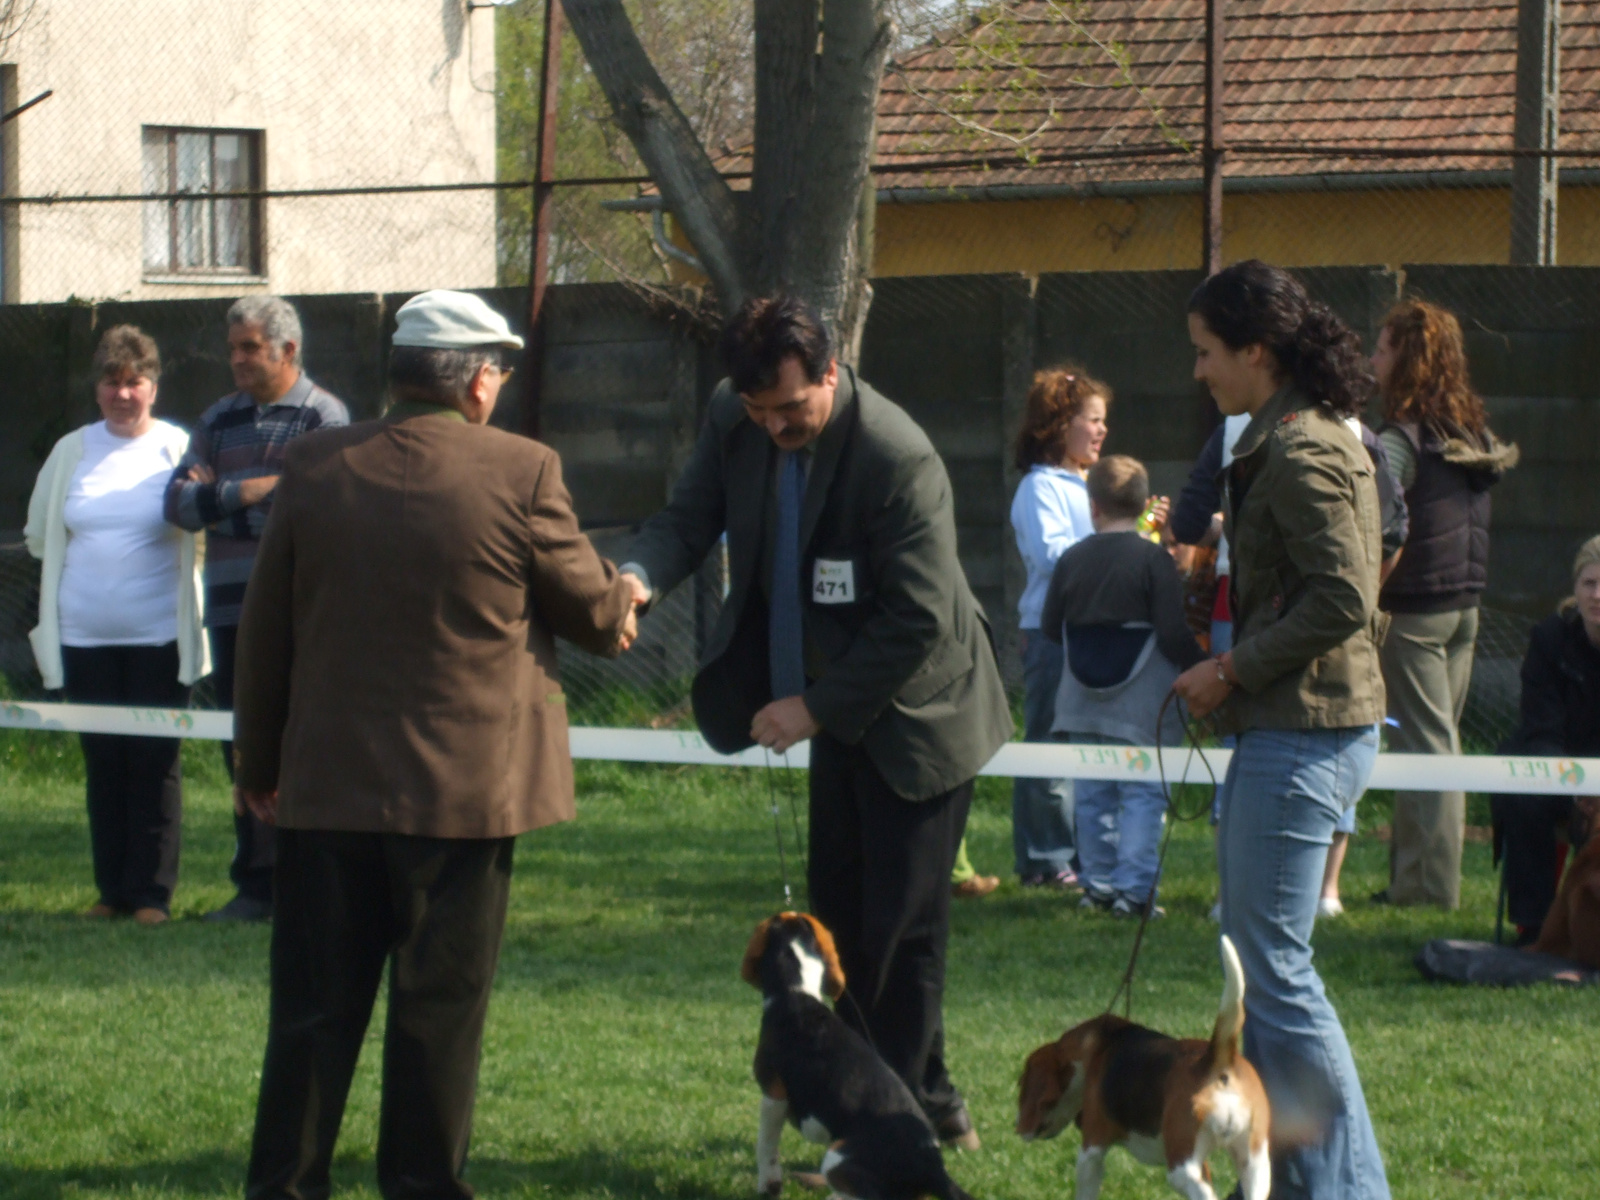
400,720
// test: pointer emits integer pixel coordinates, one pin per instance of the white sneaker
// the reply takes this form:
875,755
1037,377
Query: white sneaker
1329,906
1216,913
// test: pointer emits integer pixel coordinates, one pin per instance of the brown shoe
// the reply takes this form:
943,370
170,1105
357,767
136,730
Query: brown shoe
150,916
100,912
975,887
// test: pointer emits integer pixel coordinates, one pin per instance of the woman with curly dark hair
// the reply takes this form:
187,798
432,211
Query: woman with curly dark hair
1443,454
1300,688
1063,427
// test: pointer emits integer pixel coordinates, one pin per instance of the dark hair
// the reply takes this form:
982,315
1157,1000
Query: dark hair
1429,383
1119,486
765,331
127,350
1057,395
437,376
1254,304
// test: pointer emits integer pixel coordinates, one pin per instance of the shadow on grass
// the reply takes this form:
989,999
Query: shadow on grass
681,1173
694,1172
216,1173
590,1172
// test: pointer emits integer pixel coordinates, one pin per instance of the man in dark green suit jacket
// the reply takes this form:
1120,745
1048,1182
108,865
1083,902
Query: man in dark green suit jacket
848,621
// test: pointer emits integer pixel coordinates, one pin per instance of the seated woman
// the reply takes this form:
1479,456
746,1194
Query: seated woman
1560,716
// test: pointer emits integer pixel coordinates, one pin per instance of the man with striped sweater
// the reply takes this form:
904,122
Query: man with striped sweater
224,485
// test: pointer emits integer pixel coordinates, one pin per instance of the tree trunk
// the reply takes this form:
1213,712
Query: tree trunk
785,85
808,226
828,267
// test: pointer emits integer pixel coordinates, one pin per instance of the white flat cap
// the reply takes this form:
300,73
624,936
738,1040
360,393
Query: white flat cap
443,320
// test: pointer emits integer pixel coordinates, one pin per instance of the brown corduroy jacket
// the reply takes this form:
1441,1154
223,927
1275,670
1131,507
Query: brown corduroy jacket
396,667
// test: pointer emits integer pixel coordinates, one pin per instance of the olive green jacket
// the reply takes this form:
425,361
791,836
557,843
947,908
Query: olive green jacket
905,668
1302,518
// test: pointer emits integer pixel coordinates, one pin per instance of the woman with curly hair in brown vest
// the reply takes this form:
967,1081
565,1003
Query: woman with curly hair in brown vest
1444,456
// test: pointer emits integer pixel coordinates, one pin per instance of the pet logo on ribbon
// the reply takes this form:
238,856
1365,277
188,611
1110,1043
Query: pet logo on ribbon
1569,772
1138,761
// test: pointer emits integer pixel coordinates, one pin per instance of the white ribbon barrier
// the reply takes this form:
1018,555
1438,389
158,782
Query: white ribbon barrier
1419,772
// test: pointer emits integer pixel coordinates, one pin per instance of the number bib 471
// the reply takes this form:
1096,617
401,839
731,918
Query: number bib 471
833,581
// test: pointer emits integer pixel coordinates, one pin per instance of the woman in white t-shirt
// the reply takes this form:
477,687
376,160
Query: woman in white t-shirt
119,618
1063,428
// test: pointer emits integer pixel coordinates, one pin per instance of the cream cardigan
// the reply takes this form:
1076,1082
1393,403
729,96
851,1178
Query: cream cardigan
46,535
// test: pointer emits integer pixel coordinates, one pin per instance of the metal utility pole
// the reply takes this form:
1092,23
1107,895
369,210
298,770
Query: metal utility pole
543,214
1212,149
1536,132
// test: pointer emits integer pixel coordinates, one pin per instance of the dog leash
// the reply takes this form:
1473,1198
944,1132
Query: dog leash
1124,990
777,822
862,1025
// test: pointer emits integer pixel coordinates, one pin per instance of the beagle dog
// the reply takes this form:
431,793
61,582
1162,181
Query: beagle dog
826,1080
1169,1101
1571,928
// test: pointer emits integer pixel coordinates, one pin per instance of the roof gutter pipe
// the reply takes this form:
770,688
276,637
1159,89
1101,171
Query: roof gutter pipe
1353,181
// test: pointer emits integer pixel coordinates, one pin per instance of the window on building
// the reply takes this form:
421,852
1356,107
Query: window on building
198,232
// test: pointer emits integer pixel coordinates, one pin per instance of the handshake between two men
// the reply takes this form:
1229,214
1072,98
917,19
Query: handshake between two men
777,726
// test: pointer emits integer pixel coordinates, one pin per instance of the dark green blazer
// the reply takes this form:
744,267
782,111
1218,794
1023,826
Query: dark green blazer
907,668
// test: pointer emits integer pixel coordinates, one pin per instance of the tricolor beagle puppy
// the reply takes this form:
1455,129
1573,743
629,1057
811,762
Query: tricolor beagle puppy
826,1080
1170,1101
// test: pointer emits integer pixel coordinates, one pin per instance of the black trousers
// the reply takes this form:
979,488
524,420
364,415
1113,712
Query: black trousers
879,874
253,839
1529,826
135,790
434,909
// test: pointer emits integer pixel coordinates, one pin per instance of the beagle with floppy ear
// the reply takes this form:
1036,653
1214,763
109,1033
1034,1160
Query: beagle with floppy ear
1170,1102
1572,926
825,1079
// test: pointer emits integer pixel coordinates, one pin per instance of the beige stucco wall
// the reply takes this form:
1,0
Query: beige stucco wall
354,93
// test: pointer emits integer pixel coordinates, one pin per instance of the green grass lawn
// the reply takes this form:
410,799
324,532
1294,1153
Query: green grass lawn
617,1054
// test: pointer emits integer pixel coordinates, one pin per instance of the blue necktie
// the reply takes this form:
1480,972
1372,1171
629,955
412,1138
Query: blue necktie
784,651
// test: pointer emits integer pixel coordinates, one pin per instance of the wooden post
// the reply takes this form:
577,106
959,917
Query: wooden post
544,174
1019,350
1212,149
1537,130
10,185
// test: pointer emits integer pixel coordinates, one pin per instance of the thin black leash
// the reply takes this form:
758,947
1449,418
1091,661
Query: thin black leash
1124,990
777,826
800,850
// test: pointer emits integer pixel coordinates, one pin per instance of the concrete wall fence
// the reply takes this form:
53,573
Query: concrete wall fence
625,382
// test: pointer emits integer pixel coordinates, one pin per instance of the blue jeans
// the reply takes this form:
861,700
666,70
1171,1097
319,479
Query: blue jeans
1285,792
1041,809
1119,831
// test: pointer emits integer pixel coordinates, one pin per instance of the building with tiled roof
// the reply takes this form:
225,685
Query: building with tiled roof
1052,135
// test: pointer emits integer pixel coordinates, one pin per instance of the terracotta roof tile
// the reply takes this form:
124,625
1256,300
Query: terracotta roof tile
1374,73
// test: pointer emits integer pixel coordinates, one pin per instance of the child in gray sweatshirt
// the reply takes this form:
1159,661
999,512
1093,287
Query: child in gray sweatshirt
1116,602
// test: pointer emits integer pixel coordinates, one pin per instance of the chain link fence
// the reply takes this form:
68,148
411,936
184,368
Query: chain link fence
646,687
1038,175
649,686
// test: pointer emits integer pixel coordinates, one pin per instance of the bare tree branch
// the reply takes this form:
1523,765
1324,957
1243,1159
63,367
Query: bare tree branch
14,15
1003,72
661,135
